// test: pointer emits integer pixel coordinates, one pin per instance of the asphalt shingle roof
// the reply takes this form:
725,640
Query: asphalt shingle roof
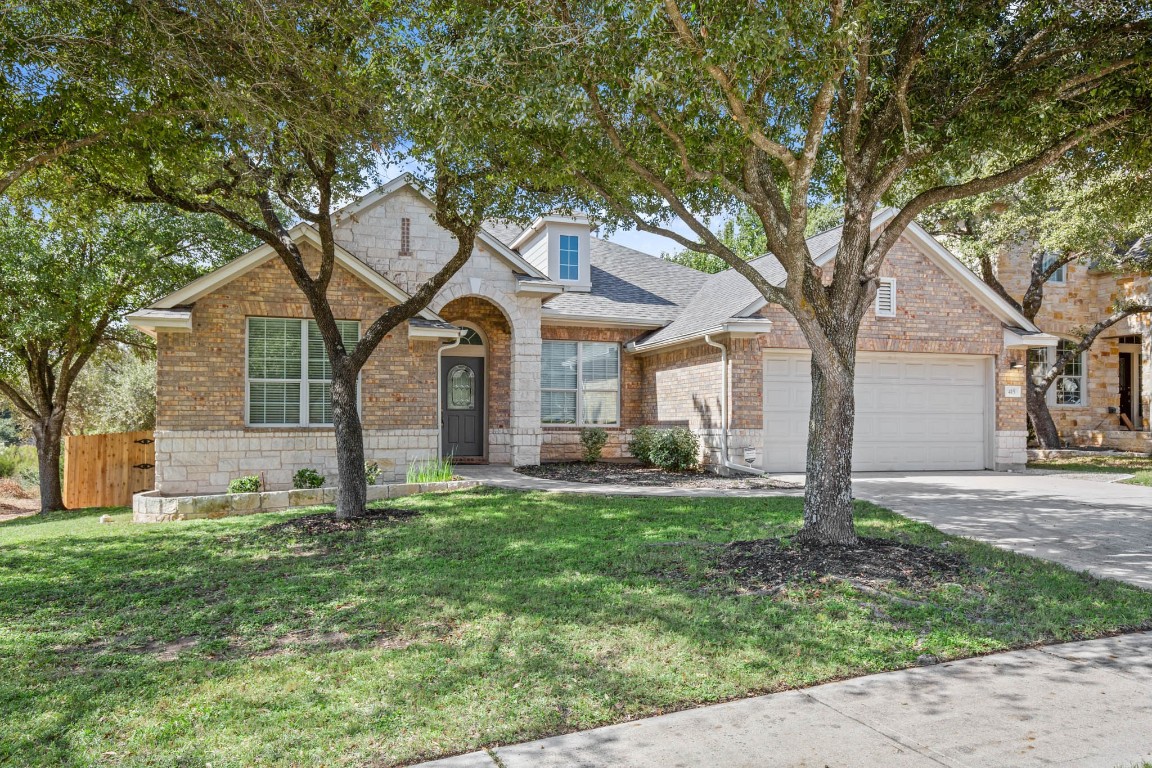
631,285
726,294
628,284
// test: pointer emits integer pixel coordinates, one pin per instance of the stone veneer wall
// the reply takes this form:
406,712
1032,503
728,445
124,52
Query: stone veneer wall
374,236
204,461
1083,299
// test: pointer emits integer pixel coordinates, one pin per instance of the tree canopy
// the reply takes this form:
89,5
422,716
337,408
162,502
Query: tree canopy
658,111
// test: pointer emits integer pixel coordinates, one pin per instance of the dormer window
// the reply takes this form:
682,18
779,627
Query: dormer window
569,257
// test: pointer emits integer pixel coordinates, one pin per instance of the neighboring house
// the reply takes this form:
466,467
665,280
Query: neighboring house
559,329
1111,381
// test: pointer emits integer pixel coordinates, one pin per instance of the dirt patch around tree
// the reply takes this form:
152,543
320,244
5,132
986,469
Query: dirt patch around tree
767,565
611,473
327,522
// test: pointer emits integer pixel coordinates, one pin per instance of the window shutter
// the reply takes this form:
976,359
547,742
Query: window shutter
886,298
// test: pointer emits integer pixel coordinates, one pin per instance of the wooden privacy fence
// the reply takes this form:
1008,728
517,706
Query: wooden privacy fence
105,470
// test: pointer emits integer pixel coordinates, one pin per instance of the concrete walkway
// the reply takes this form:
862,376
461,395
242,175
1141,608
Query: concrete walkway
1081,704
506,477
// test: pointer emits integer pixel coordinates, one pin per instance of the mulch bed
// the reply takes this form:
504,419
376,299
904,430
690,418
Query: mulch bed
327,522
612,473
766,565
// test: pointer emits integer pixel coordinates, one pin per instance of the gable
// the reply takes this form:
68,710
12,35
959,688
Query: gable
308,239
371,228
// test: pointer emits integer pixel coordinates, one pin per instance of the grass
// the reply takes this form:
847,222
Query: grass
438,470
491,617
1140,467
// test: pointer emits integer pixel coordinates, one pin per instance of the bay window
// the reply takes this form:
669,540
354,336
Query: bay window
580,383
289,374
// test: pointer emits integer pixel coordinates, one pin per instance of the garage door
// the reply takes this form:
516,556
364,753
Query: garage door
913,412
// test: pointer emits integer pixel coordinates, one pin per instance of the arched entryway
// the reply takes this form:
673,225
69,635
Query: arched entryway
474,381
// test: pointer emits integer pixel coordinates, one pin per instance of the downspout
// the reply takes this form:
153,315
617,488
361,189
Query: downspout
439,394
724,461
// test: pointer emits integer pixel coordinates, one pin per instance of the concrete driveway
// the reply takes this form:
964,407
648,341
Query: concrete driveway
1089,525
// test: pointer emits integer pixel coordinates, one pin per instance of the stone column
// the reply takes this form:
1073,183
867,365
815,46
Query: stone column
526,433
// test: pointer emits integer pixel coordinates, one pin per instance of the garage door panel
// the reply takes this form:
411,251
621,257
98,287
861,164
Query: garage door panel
913,412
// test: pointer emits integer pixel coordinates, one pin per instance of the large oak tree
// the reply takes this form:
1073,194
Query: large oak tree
290,109
664,110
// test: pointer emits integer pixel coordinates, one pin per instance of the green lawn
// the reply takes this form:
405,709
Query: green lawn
492,617
1140,467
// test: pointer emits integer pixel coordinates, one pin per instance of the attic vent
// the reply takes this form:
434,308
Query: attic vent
405,237
886,298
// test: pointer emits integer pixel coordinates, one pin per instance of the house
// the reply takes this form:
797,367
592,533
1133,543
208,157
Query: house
550,328
1101,398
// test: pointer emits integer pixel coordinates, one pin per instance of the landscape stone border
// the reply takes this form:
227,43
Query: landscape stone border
151,507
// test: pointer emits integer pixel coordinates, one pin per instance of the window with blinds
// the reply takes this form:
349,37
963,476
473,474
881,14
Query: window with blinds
580,383
886,298
289,374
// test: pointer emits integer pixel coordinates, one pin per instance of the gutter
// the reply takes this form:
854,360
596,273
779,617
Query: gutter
743,325
724,460
439,393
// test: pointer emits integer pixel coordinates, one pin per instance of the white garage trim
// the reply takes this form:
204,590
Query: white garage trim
913,411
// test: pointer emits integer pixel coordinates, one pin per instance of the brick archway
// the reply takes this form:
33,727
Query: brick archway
496,329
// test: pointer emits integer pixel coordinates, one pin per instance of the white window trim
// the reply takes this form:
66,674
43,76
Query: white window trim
304,380
580,386
560,258
1050,396
891,283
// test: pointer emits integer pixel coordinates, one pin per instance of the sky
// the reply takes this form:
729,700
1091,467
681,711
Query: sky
631,238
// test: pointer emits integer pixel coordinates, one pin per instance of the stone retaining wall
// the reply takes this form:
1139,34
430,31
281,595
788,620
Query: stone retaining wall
150,507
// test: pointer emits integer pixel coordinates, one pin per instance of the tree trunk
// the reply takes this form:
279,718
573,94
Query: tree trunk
48,433
1047,436
353,494
828,487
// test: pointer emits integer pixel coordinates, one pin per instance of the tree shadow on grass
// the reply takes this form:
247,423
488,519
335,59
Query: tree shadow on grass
492,616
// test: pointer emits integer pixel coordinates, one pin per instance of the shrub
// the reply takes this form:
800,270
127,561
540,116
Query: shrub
15,458
640,446
434,471
676,449
29,477
371,472
246,484
307,478
592,440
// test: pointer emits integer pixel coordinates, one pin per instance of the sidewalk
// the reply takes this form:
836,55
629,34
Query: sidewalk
1078,704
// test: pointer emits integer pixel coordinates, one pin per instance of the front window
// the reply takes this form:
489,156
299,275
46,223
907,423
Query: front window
1068,389
580,383
569,257
289,374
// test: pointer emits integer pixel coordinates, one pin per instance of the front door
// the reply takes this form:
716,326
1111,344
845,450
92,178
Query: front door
462,406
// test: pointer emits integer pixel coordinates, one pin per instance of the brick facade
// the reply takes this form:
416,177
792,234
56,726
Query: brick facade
203,440
562,443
